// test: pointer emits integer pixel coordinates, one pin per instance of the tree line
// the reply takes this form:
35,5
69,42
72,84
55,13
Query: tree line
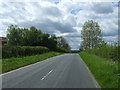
34,37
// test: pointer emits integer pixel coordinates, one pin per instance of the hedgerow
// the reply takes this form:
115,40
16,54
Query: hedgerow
19,51
107,52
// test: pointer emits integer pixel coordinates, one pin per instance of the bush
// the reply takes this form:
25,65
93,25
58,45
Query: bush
19,51
107,52
0,52
59,49
115,54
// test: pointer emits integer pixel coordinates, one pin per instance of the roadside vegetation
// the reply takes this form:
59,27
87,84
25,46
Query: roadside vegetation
9,64
110,52
105,71
30,45
34,37
101,58
0,52
31,41
20,51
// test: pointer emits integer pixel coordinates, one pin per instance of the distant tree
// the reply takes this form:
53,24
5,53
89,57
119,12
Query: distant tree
61,42
102,44
81,46
91,35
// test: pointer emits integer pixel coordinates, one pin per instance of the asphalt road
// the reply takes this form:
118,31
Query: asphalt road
64,71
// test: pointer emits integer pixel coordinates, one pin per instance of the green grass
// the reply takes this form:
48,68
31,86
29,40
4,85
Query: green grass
105,71
14,63
0,65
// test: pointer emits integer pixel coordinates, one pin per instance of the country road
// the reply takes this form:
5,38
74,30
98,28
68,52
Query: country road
64,71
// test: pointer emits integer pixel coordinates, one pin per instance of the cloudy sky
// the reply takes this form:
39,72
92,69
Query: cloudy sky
61,17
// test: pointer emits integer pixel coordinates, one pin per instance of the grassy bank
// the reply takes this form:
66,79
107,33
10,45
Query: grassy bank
105,71
14,63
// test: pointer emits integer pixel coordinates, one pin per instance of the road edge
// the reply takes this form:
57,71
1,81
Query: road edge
30,65
92,76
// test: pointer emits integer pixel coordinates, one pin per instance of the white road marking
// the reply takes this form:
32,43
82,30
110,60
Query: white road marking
47,74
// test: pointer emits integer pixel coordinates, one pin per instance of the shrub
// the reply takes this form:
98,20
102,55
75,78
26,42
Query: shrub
115,54
19,51
0,52
59,49
107,52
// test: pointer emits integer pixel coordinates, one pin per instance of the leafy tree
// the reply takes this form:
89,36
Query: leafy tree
91,35
61,42
34,37
24,36
52,42
14,35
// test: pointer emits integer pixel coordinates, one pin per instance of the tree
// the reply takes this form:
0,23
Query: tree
52,42
61,42
33,37
14,35
91,35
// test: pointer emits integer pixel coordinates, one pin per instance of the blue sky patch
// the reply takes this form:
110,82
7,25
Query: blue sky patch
54,1
116,4
57,2
75,11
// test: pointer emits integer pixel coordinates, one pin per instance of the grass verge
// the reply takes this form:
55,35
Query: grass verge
14,63
105,71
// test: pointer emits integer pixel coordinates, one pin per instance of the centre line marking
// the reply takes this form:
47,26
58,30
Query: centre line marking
47,74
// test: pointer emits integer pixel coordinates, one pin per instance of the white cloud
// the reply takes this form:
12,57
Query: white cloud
61,17
102,8
60,0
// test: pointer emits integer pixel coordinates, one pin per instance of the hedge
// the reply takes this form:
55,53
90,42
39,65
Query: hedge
0,52
107,52
19,51
59,49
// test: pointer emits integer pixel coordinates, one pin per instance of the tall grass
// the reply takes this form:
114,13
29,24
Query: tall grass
105,71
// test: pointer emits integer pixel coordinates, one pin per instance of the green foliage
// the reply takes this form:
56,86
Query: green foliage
19,51
14,35
49,41
9,64
62,43
107,52
105,71
31,37
23,36
91,35
115,54
59,49
0,52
